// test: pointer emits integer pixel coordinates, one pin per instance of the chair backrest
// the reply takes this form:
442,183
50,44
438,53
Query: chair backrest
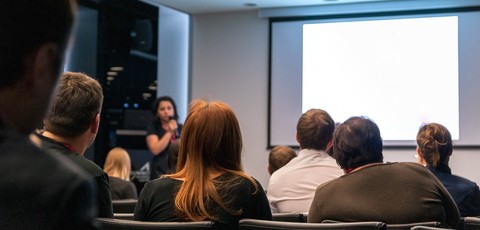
118,224
124,206
252,224
289,217
429,228
123,216
409,226
471,223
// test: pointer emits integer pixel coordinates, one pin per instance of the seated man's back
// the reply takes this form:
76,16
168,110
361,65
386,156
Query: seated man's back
394,193
371,190
292,187
39,190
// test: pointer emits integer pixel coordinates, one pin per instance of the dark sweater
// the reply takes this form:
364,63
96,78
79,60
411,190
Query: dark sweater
104,198
465,192
41,190
156,202
122,189
393,193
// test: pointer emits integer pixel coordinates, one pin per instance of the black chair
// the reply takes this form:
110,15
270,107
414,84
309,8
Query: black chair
409,226
429,228
253,224
124,206
471,223
123,216
289,217
118,224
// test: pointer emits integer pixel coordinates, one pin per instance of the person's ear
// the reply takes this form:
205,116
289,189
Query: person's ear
419,153
268,170
95,124
419,157
42,66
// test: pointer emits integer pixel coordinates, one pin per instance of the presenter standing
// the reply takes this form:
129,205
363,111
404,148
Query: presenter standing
163,131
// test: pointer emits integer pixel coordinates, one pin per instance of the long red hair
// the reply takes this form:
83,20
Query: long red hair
211,146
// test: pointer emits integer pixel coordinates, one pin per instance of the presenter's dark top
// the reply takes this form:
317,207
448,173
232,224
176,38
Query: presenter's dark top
104,197
42,190
159,164
157,200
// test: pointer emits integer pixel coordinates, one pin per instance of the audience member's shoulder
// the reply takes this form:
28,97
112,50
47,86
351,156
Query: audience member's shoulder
18,149
466,183
88,165
163,183
332,183
67,164
412,165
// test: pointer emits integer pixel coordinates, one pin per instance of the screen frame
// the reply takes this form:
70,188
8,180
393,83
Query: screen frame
355,16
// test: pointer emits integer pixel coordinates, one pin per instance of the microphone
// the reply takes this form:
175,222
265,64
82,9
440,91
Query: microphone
177,133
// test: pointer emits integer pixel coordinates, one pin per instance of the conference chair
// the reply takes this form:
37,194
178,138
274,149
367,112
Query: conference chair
289,217
409,226
118,224
123,216
124,206
406,226
429,228
471,223
253,224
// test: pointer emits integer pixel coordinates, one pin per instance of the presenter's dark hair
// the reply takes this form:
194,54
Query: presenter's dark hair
156,103
357,142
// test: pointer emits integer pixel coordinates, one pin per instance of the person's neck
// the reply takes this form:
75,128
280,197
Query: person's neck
10,120
361,167
72,143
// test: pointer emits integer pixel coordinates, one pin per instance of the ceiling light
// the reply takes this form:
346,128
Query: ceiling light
116,68
152,87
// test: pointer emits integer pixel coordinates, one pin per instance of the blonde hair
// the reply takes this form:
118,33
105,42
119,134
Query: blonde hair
211,145
117,163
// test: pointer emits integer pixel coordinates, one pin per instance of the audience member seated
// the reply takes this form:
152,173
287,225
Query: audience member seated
435,148
292,187
71,126
38,189
278,157
370,190
118,166
210,183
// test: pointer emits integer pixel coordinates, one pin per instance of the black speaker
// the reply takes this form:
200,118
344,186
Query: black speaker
142,35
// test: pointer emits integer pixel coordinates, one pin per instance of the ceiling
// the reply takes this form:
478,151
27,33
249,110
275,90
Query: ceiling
213,6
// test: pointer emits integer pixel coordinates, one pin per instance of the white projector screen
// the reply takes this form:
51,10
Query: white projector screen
399,71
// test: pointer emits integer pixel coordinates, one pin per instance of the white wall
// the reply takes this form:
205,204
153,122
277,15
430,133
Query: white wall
230,63
173,51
